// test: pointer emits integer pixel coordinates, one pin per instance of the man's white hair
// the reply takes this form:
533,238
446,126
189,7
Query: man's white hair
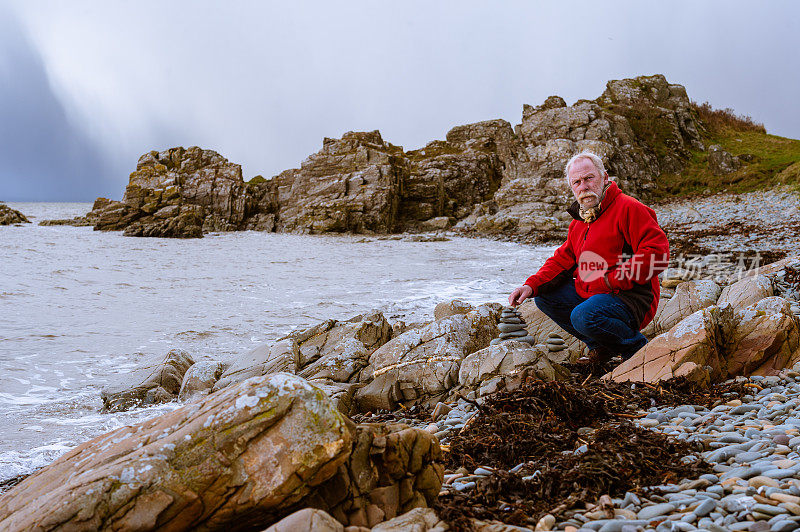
596,161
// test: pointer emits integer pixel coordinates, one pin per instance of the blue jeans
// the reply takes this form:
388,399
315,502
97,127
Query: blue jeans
602,321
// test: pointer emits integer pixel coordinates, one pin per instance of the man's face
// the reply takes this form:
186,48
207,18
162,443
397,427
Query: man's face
586,182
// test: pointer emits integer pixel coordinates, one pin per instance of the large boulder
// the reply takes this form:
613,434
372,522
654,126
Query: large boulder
691,349
422,364
716,343
158,380
689,297
721,162
264,359
9,216
340,352
240,459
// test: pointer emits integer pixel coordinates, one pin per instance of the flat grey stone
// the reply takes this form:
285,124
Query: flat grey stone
515,334
510,327
783,525
615,525
705,508
656,510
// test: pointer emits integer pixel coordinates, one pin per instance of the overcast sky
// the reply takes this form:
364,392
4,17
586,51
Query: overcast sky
87,87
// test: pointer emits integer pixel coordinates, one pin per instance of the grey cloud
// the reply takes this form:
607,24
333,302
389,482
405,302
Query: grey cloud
43,156
264,82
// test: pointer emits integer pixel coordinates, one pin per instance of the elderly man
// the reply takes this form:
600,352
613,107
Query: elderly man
602,284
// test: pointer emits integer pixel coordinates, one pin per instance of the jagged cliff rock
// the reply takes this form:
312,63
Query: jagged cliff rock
352,184
641,128
486,177
9,216
183,192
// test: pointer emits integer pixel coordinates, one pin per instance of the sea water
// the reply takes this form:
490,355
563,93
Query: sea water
78,306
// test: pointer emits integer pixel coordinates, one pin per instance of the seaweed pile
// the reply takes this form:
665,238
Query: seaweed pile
555,445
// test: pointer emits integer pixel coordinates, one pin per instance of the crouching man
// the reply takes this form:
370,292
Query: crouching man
601,285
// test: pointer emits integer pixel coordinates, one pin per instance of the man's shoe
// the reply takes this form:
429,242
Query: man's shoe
595,357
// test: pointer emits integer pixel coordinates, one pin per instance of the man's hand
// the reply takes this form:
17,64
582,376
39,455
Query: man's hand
519,295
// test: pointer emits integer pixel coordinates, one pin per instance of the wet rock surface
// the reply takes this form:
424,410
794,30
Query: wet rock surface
156,381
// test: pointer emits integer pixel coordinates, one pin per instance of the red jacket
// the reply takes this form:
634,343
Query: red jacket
621,252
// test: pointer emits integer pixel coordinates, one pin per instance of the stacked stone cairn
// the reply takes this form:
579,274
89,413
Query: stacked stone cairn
512,327
555,343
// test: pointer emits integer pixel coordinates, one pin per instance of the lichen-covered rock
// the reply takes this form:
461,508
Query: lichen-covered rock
721,162
746,291
240,459
392,469
156,381
307,520
422,364
200,379
508,359
689,297
9,216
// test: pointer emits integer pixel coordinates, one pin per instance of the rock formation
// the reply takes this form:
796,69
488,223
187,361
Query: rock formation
241,459
422,364
486,177
183,192
9,216
745,331
155,381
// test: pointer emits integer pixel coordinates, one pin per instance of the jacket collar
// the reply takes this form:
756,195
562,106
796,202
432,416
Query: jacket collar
611,194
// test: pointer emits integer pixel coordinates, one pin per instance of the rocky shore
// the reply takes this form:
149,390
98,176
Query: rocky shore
486,178
367,424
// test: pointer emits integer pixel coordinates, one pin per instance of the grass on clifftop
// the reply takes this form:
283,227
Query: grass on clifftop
767,160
